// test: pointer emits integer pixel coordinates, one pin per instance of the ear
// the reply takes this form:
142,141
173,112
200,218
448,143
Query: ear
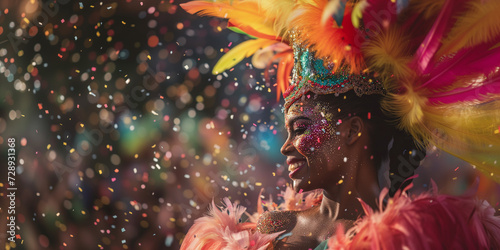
355,129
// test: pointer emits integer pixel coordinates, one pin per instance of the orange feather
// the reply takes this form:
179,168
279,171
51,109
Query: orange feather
338,44
283,75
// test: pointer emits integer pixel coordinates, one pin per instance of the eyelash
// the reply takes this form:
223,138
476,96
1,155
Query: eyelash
299,129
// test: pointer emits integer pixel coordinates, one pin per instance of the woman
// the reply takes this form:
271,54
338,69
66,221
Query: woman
335,144
374,80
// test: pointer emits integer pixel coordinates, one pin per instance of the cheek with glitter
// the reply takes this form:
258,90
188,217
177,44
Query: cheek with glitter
315,137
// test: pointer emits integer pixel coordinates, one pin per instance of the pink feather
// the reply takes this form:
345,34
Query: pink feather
479,60
221,229
488,90
428,221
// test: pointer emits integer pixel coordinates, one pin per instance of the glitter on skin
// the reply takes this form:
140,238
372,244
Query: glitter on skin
312,137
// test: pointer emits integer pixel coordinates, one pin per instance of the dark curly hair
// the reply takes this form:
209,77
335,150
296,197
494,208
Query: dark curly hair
404,154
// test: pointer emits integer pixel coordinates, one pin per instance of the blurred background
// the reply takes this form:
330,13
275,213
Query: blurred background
124,136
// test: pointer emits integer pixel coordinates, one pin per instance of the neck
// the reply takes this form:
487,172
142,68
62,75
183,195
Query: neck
340,201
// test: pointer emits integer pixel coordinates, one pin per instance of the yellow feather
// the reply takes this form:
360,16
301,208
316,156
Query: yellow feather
278,12
357,12
388,54
408,107
310,2
429,8
240,52
246,13
467,131
480,24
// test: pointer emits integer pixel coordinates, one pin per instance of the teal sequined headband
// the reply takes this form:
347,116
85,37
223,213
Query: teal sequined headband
311,74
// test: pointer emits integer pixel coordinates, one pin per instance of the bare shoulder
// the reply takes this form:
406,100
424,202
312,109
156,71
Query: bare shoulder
276,221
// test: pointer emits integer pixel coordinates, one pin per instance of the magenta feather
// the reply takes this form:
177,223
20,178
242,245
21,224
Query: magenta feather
430,45
379,14
484,92
479,60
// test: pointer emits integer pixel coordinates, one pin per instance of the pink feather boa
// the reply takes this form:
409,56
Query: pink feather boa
223,230
426,221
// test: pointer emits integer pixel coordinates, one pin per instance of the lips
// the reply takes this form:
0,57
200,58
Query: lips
294,166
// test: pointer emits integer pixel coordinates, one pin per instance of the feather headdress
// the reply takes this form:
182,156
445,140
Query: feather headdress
437,60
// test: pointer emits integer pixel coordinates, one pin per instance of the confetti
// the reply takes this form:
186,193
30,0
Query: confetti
121,125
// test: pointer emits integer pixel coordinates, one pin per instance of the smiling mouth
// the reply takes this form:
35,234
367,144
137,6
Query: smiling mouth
296,165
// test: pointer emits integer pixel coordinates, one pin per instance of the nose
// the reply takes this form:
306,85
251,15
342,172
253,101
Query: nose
287,147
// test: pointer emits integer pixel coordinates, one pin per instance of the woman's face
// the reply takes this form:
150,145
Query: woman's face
315,145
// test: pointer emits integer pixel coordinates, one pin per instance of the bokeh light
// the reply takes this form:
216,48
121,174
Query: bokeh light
123,135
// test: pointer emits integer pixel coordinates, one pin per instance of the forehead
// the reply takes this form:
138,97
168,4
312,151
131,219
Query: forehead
308,107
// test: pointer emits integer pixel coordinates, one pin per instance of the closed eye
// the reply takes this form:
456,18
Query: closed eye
299,130
298,125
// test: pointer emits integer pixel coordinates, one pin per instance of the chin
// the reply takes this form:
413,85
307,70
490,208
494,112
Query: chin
299,184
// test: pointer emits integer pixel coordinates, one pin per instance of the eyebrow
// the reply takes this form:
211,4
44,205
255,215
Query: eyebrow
295,118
